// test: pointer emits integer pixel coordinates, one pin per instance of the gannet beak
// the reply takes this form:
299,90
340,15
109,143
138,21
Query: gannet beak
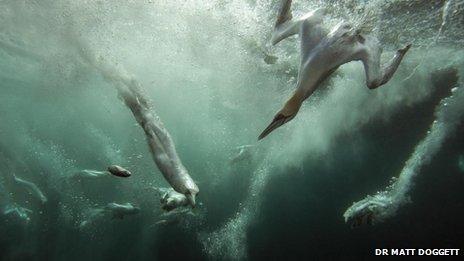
278,121
191,199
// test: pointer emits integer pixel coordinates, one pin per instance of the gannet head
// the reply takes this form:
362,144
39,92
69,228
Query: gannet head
286,114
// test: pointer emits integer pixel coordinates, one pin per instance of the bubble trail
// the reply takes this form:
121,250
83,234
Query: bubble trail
384,204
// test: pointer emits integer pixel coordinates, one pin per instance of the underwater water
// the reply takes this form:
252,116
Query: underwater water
216,82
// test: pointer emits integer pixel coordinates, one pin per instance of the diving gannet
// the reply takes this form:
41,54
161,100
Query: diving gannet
33,188
322,52
17,212
113,210
120,210
159,140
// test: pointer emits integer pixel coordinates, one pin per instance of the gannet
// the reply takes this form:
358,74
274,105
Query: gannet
18,212
113,210
120,210
159,140
160,143
31,187
322,52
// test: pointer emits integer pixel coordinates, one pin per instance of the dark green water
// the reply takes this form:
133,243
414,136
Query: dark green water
202,65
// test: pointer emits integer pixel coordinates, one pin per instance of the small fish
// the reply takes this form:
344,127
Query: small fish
119,171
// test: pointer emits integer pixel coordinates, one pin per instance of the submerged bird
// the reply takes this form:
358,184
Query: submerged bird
159,140
121,210
113,210
17,212
322,52
33,188
160,143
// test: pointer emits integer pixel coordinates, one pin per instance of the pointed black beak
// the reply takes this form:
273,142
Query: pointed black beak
278,121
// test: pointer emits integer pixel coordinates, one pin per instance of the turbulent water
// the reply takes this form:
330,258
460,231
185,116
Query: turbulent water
205,66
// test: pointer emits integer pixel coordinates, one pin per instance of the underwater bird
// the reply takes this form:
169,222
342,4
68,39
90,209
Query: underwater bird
160,143
121,210
112,210
17,212
119,171
33,188
322,52
159,140
384,204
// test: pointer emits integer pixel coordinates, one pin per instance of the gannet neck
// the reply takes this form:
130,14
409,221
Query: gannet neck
292,106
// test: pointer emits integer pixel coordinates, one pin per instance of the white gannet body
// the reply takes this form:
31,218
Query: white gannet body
159,140
17,212
322,52
121,210
161,144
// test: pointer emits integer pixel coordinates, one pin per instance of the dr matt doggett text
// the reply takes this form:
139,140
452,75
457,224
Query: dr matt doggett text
416,252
